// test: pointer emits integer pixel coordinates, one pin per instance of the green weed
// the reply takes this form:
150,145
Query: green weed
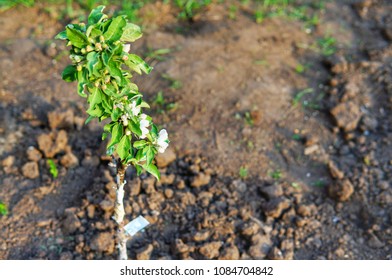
3,209
243,172
53,168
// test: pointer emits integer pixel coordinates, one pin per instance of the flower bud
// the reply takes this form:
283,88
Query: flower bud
89,48
101,39
83,51
98,47
104,87
76,50
127,132
107,79
105,46
125,57
79,68
96,84
91,40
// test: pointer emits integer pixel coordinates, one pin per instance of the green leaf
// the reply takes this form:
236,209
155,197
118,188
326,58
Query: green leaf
95,98
69,73
115,29
139,144
149,155
96,15
139,169
89,119
92,61
132,32
62,35
123,147
135,128
116,114
114,70
76,37
117,133
153,170
3,209
137,64
95,112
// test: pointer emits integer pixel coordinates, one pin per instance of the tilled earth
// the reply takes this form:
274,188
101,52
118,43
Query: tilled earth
318,182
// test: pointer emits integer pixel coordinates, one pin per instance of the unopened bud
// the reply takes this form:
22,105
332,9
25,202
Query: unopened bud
105,46
104,87
107,79
127,132
79,68
83,51
76,50
98,47
89,49
96,84
125,57
91,40
101,38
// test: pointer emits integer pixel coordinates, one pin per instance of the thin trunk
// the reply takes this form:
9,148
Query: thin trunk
119,212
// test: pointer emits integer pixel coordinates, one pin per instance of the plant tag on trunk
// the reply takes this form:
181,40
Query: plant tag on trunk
136,225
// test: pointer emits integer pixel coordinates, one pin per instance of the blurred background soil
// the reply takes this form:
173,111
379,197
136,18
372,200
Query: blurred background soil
279,117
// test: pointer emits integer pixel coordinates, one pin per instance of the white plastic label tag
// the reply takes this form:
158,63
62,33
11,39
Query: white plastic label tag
136,225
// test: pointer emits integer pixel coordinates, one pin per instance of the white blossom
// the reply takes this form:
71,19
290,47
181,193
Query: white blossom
126,47
144,123
135,109
163,141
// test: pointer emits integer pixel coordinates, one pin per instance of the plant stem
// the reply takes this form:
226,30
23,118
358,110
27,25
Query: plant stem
119,211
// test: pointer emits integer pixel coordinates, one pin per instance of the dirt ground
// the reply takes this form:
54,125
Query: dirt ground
314,148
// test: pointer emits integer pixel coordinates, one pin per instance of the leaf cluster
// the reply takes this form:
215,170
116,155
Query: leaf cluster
103,68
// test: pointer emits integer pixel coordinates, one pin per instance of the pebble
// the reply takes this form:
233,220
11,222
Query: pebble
200,180
271,192
347,115
341,190
71,223
210,250
33,154
276,206
69,160
335,171
30,170
102,242
230,253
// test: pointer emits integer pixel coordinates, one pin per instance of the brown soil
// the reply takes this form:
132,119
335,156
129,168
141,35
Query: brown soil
319,172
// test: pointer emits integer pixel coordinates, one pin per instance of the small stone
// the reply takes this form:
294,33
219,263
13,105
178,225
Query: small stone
169,193
145,252
250,229
167,179
69,160
44,222
341,190
200,180
271,192
239,186
71,222
261,244
148,185
276,206
335,171
230,253
311,140
201,236
103,242
181,247
106,205
61,119
181,184
166,158
30,170
8,161
33,154
210,250
90,211
311,149
135,187
304,211
347,115
53,143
